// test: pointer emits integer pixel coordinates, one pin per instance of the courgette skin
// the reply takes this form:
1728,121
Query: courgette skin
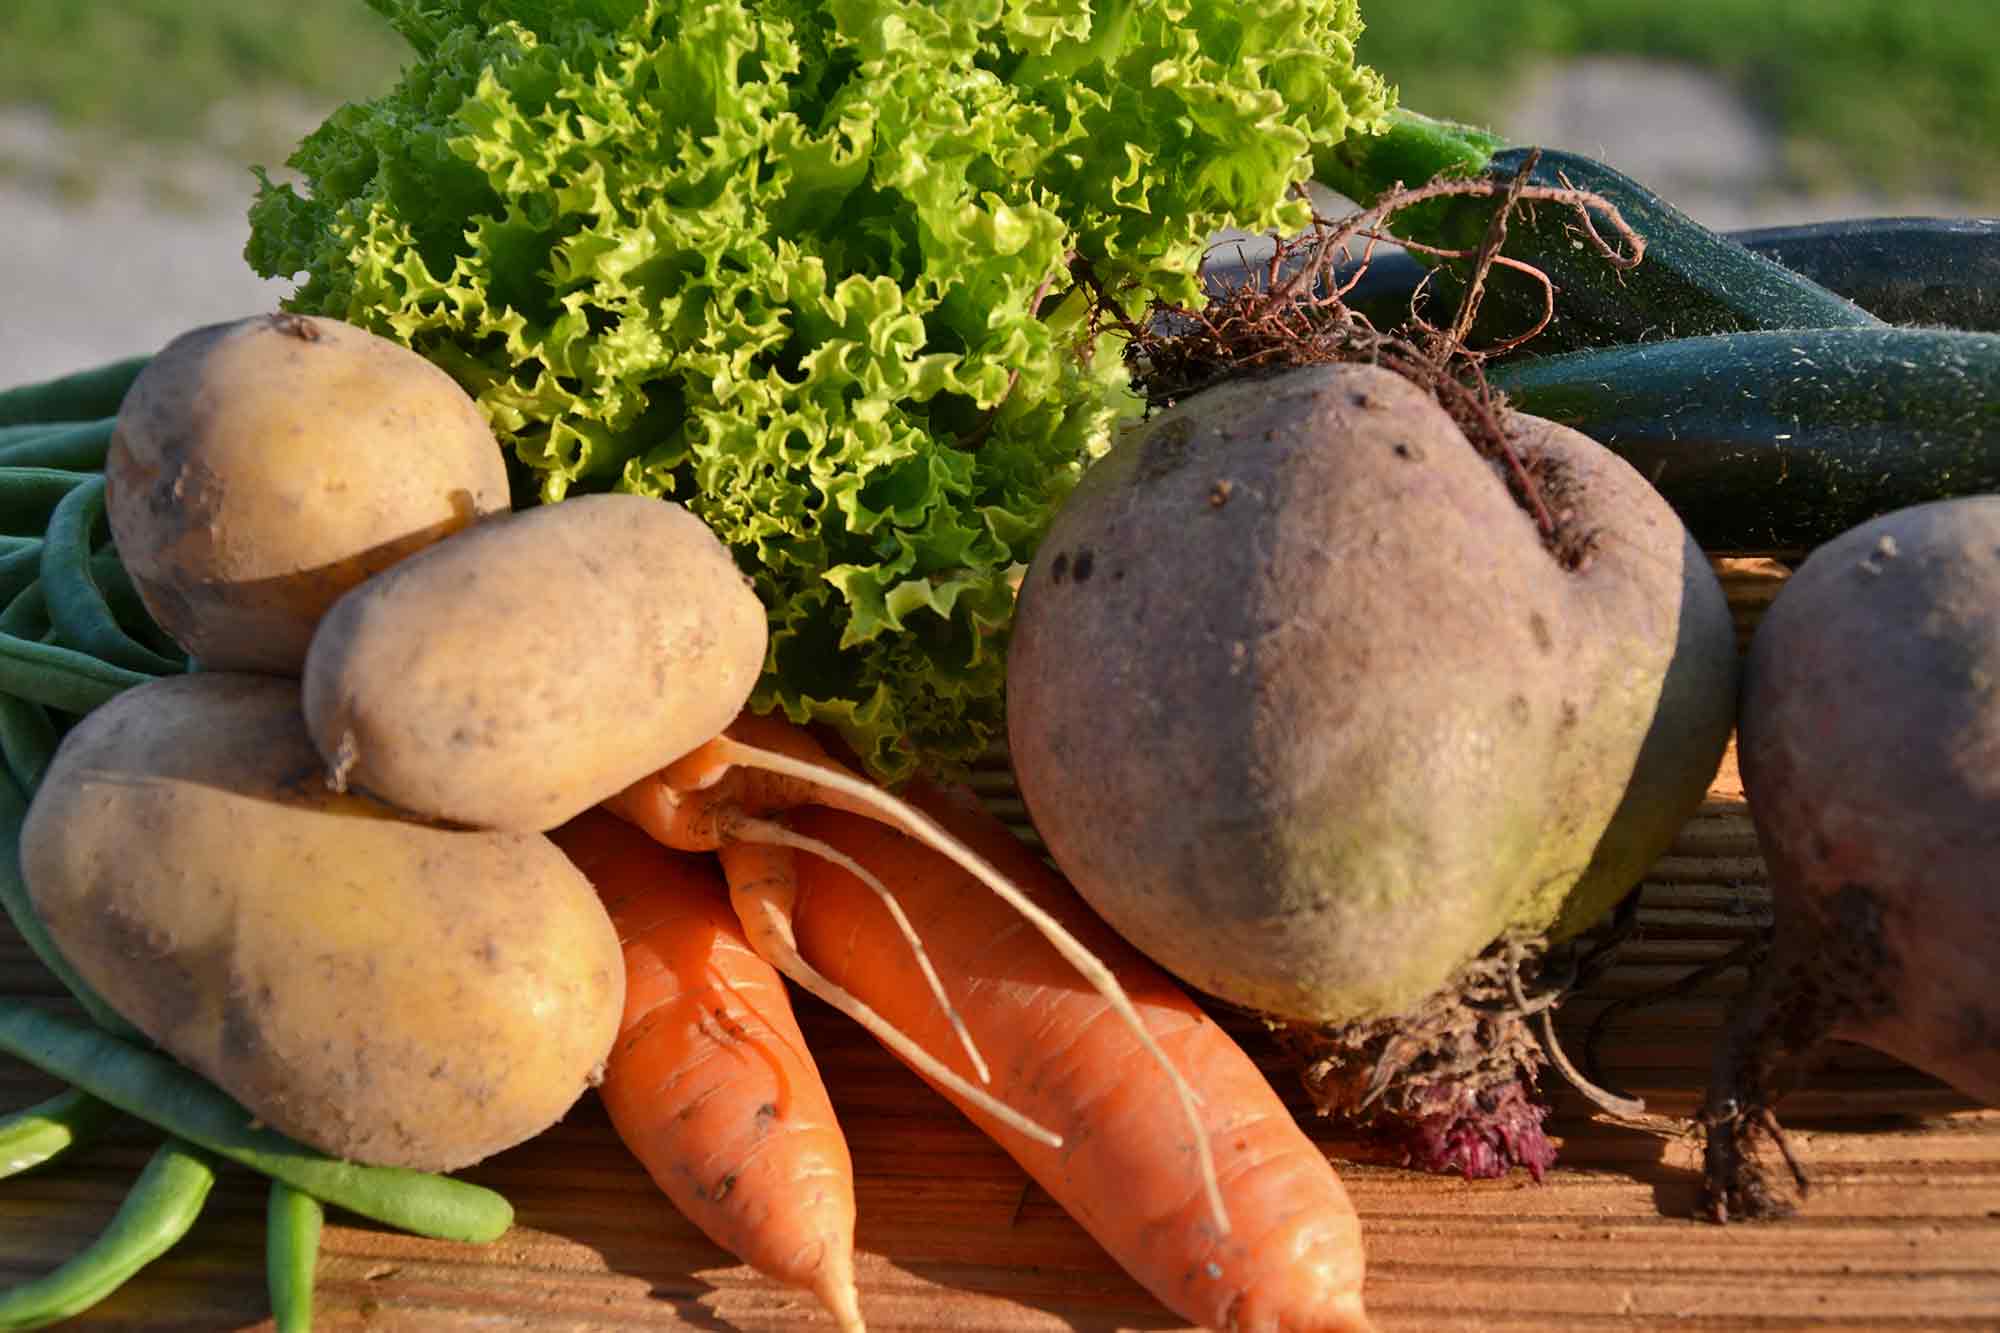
1906,270
1941,272
1771,442
1692,280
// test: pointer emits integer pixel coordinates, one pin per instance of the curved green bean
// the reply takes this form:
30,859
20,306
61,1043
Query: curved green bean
21,910
28,495
75,445
28,740
62,678
122,596
158,1210
151,1086
31,430
293,1221
48,1129
81,395
20,565
26,615
77,607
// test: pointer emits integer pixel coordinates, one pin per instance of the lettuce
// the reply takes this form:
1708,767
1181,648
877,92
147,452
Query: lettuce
814,270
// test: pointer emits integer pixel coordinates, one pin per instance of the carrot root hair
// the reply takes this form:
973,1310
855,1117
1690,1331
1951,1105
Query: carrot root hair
763,886
837,789
769,831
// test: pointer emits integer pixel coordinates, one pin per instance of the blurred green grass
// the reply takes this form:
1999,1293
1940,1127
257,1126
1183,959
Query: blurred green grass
154,68
129,79
1891,95
1897,96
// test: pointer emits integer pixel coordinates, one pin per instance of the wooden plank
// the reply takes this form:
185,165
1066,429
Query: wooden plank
1901,1232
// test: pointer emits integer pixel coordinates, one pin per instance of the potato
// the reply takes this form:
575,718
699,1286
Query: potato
1304,706
515,675
261,468
382,989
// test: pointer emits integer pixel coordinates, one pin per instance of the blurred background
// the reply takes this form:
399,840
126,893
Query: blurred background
128,127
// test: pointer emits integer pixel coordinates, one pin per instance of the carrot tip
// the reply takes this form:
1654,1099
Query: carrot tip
837,1291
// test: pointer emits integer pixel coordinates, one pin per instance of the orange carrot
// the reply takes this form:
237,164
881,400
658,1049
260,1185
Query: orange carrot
1292,1259
699,801
722,796
709,1083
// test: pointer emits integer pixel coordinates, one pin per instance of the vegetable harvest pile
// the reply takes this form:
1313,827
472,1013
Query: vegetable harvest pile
806,267
699,430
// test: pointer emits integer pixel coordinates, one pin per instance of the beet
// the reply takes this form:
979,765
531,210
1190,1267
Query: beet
1310,707
1869,741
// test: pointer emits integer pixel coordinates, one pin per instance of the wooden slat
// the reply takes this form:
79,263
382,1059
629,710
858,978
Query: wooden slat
1902,1231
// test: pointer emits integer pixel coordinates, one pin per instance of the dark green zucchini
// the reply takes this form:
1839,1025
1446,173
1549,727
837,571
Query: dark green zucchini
1771,442
1942,272
1692,281
1906,270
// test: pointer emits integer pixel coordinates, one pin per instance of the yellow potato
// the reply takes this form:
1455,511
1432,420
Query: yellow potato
385,990
517,674
261,468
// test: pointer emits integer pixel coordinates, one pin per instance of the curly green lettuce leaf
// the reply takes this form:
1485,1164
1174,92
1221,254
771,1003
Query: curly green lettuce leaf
835,275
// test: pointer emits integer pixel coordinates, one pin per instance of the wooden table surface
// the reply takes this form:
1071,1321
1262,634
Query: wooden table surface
1901,1232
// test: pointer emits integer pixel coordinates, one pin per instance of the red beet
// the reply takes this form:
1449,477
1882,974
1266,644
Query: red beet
1869,740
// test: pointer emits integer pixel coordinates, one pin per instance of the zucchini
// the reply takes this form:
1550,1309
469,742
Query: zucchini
1943,272
1770,442
1910,270
1692,280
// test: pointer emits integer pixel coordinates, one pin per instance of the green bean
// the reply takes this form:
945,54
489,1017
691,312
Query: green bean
28,740
292,1224
26,615
48,1129
28,495
154,1088
82,395
20,908
158,1210
63,678
80,446
20,564
122,596
83,619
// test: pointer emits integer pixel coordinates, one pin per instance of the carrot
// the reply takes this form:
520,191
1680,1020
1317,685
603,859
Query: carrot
709,1082
1292,1261
721,796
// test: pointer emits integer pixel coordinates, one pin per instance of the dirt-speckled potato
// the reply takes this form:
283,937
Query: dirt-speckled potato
261,468
517,674
385,990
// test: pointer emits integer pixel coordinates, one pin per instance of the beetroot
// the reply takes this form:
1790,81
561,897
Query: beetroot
1308,706
1870,751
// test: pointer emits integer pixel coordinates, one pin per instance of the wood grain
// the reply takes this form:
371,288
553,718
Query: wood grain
1902,1231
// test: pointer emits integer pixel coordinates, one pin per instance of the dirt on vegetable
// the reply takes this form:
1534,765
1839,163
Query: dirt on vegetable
1297,317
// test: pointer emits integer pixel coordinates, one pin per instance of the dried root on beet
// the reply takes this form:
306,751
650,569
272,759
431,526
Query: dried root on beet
1353,697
